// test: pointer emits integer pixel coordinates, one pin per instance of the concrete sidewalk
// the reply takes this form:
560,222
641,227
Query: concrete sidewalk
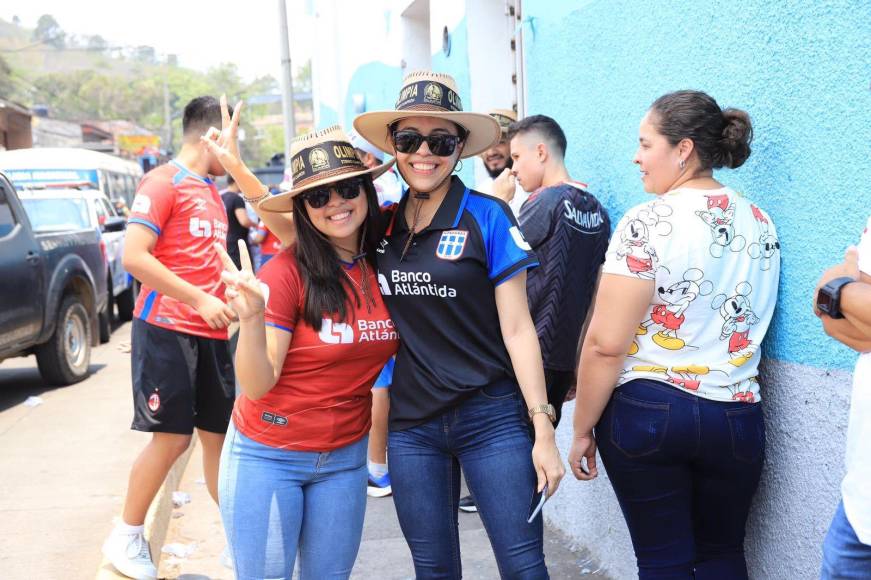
383,553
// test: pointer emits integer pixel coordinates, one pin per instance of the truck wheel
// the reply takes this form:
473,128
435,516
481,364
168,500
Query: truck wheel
105,325
126,302
65,358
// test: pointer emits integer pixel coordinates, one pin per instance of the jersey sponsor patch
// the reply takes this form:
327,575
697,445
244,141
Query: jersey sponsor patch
518,238
141,204
451,244
335,332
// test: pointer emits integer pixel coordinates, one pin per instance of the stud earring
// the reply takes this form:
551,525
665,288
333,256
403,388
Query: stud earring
682,164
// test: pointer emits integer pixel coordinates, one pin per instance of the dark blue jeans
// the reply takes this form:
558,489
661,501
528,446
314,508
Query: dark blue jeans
486,435
684,470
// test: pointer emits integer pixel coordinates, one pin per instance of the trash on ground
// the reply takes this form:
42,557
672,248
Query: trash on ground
179,550
124,347
179,498
32,402
176,515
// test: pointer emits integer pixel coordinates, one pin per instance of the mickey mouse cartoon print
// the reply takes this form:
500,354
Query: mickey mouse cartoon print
671,314
719,217
767,245
738,317
635,246
687,377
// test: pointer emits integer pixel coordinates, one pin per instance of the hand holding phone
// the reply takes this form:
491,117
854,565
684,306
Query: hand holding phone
538,499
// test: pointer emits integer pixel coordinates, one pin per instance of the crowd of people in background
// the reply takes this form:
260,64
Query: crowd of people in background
399,329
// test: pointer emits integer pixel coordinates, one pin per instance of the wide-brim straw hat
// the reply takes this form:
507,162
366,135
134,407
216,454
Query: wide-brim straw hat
505,117
429,94
320,158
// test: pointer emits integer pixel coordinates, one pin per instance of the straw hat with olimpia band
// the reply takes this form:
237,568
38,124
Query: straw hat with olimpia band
320,158
429,94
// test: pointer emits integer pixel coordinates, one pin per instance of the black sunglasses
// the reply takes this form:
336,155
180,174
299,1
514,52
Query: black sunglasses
441,144
318,197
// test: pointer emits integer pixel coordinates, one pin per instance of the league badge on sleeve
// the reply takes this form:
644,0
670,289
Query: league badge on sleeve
451,244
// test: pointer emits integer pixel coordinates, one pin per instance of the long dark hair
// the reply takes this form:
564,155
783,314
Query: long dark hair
326,285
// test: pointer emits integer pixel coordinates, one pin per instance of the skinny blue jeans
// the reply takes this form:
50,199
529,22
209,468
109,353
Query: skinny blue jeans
488,436
276,503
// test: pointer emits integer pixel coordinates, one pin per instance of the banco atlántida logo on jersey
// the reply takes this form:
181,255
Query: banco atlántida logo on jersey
203,228
414,284
360,331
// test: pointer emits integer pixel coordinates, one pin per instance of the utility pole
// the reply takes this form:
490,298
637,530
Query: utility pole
167,116
286,83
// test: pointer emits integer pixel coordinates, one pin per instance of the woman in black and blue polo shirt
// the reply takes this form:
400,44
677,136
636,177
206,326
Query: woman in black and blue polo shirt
452,270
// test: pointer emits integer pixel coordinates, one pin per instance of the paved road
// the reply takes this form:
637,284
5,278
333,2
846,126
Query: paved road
63,473
383,552
63,465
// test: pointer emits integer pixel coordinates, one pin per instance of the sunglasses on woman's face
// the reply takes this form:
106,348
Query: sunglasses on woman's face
320,196
441,144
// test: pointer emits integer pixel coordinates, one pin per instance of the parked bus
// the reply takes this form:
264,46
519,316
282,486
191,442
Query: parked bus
116,177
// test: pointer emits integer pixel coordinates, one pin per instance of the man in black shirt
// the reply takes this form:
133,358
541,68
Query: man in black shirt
568,230
237,219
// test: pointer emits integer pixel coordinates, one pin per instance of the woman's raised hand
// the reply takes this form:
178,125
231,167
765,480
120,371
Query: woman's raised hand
244,293
224,144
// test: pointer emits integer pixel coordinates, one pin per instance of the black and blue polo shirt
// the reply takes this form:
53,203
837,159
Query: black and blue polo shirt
441,297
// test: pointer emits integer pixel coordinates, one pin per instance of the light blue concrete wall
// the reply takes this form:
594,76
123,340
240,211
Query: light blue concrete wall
800,69
802,72
380,83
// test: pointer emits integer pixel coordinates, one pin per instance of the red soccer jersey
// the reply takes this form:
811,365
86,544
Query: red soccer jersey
270,245
322,400
187,214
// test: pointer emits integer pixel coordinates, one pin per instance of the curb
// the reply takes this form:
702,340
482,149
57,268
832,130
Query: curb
158,516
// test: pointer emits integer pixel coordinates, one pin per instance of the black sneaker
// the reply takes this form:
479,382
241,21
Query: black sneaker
467,504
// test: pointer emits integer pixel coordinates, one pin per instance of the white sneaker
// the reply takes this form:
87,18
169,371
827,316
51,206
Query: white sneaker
130,555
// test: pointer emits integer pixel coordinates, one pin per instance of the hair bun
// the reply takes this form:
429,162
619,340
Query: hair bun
734,144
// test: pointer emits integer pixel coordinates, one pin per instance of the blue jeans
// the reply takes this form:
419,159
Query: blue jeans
487,435
844,556
275,502
684,470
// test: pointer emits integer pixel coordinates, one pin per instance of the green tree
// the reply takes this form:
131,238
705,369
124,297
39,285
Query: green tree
49,32
7,88
145,54
302,80
97,43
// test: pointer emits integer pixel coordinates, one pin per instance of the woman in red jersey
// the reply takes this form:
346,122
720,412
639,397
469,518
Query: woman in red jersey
314,334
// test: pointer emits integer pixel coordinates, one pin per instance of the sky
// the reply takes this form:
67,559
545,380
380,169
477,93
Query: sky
202,33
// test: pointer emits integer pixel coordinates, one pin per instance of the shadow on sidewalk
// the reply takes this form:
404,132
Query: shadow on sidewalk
17,384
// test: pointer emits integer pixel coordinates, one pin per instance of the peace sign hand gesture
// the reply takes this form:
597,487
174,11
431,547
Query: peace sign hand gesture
244,293
224,144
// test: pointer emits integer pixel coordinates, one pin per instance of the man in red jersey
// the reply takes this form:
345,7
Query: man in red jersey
182,370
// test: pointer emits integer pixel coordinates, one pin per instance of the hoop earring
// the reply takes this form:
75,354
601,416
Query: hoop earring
459,165
682,164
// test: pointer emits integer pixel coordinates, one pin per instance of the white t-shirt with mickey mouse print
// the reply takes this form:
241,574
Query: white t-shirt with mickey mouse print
856,487
714,258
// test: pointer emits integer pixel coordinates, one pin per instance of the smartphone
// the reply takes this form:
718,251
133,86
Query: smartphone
538,499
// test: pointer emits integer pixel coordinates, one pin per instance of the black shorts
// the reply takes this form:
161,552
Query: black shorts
180,381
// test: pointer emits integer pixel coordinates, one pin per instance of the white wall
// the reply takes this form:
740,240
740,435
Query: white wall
414,22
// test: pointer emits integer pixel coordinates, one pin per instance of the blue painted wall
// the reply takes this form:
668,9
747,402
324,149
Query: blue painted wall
380,83
802,71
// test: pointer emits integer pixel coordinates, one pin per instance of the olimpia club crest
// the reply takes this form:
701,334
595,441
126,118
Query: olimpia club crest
433,94
318,159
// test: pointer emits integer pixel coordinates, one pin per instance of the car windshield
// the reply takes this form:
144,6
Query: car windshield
57,214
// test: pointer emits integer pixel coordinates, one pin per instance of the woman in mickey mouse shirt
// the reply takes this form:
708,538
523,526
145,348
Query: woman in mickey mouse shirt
314,334
668,373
